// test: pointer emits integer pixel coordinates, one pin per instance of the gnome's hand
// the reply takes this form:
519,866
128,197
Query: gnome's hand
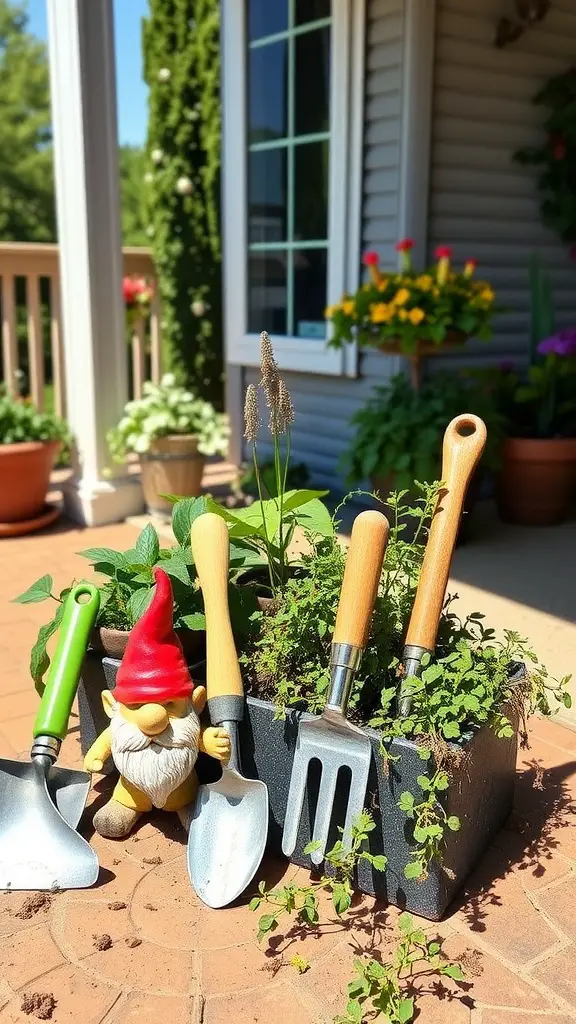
216,743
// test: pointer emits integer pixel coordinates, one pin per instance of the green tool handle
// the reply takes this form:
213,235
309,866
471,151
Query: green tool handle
64,672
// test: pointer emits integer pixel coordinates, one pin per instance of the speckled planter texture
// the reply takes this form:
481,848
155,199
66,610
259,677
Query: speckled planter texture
481,795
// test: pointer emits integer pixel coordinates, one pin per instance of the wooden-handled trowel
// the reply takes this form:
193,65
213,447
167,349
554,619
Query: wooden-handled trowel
229,825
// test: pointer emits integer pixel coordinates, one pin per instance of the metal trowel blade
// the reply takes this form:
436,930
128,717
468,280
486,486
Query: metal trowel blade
38,848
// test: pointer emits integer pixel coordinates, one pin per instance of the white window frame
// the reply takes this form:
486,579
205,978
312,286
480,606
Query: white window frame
345,188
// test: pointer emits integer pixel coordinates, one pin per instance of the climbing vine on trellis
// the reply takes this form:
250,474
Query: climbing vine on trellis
556,155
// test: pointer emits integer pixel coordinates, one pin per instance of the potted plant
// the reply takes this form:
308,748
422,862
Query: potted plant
171,431
29,443
442,779
538,472
398,433
415,313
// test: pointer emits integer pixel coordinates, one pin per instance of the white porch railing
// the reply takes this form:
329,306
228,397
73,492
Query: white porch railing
30,310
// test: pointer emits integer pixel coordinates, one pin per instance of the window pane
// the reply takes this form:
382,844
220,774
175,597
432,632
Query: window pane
312,100
267,292
311,191
267,112
312,10
266,17
267,195
310,292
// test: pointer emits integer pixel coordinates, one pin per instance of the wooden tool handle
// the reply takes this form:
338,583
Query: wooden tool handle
361,578
211,551
464,443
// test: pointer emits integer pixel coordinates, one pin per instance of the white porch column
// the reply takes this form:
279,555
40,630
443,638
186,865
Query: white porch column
83,92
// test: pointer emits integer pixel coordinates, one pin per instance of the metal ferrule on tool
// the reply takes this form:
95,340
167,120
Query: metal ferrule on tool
344,663
46,746
412,661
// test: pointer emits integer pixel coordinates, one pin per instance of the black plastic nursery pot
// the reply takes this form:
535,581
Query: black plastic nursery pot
480,794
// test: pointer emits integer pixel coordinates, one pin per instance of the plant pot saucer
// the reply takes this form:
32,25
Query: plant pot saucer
49,514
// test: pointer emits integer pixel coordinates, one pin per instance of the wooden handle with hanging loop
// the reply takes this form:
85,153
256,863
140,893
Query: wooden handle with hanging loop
361,578
211,552
464,442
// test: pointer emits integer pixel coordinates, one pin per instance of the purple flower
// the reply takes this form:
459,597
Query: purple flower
563,343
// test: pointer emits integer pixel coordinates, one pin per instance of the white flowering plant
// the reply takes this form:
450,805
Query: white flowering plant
167,408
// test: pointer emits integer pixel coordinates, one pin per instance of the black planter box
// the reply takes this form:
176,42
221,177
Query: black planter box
481,794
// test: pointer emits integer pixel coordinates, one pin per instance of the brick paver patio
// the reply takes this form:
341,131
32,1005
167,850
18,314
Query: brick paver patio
171,959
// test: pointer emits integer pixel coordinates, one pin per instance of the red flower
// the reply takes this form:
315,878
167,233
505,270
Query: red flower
134,288
443,252
472,264
371,259
405,245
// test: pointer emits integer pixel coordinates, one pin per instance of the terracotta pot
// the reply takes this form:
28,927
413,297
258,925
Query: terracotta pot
24,477
172,466
112,642
453,340
536,480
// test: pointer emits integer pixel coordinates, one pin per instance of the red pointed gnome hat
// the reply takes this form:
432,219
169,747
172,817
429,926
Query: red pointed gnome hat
153,669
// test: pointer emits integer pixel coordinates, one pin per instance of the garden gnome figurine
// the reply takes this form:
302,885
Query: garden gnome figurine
154,734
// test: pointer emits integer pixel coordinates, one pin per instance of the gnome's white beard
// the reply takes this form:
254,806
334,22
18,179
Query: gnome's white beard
156,765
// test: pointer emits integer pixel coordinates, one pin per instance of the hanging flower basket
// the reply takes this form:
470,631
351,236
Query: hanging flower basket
414,313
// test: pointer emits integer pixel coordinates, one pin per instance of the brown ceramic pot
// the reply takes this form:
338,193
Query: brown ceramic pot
172,466
112,642
24,477
536,480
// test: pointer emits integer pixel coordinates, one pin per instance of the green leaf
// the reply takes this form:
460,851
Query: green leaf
295,499
267,923
183,515
254,903
414,869
177,568
406,802
139,602
310,847
197,621
148,545
341,898
567,700
405,923
451,730
39,659
453,823
315,519
379,862
354,1011
39,591
424,753
405,1011
116,558
454,971
424,783
433,948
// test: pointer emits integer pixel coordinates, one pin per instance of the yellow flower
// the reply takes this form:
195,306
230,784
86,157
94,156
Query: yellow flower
348,307
381,313
403,315
424,282
329,312
401,297
416,316
487,295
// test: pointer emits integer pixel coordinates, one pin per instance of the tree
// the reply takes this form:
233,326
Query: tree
26,177
132,187
182,68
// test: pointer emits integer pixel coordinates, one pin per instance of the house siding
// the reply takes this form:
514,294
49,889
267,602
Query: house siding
324,405
481,202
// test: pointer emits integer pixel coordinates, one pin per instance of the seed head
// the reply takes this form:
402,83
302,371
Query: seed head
286,409
270,375
252,420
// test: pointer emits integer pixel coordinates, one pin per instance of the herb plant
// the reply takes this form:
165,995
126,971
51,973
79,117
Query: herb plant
267,527
382,991
398,433
126,581
20,421
165,409
382,988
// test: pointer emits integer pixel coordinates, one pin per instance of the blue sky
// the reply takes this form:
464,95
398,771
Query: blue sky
131,87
